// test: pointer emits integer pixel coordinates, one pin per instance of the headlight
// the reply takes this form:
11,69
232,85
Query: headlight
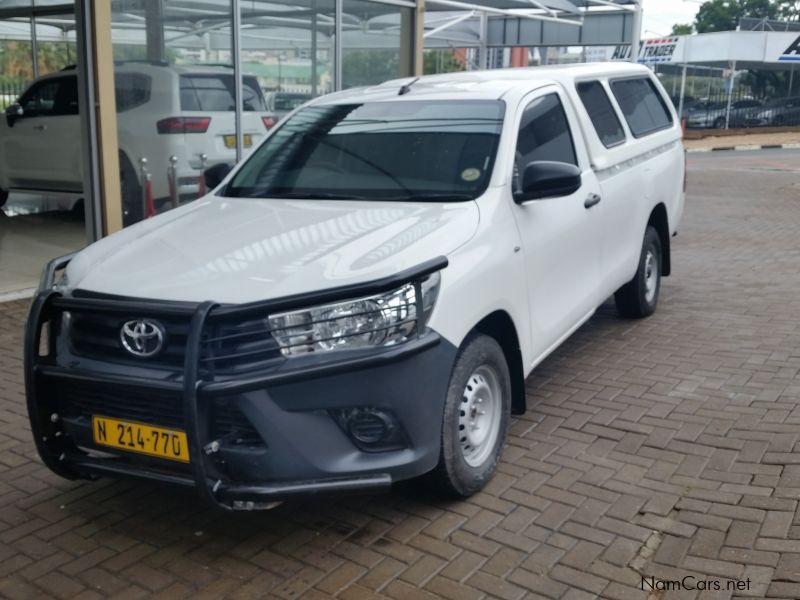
373,321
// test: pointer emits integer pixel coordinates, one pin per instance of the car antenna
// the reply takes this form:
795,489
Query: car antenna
406,87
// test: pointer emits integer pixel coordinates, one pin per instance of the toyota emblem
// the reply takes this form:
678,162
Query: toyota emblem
143,338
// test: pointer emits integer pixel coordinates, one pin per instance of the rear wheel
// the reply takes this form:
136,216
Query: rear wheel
719,123
476,415
639,297
131,190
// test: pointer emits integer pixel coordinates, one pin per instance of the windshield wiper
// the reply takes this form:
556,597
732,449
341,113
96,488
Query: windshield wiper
311,196
431,197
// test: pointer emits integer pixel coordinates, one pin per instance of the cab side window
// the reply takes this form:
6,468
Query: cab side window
601,113
544,134
40,100
643,106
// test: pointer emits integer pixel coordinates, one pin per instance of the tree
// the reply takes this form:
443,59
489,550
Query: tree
440,61
789,9
724,15
369,67
682,29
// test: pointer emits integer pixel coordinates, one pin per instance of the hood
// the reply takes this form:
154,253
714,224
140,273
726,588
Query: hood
235,250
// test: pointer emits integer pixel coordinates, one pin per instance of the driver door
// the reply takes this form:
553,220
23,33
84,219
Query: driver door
562,236
42,147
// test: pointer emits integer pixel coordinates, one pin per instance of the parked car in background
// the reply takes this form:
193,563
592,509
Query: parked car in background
162,111
777,113
360,300
715,115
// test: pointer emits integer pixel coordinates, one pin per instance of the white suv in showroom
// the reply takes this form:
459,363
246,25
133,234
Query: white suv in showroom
360,300
163,111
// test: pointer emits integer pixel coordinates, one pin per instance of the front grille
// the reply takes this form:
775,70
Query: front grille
226,348
97,335
154,407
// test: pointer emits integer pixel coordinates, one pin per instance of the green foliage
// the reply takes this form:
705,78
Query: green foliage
368,67
16,64
682,29
440,61
724,15
789,9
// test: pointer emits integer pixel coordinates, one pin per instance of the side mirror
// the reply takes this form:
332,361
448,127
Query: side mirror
214,175
548,179
13,112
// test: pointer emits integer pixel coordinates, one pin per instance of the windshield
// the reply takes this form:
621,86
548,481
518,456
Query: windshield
399,150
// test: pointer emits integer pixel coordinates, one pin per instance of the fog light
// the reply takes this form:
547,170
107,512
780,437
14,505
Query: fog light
371,429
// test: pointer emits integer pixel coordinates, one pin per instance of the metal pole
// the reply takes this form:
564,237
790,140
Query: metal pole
88,118
338,84
237,74
683,92
314,48
636,32
730,96
484,33
154,31
172,177
34,49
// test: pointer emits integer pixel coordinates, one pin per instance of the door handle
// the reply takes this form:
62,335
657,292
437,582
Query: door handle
592,200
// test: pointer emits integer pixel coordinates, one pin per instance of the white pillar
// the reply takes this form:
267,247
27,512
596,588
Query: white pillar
484,49
236,29
636,32
730,95
683,91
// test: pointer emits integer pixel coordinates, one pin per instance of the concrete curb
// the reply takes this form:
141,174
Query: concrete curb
745,147
17,295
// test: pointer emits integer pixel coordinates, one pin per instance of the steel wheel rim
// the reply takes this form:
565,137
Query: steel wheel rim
650,276
480,415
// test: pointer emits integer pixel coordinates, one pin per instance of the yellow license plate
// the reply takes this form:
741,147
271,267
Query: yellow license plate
230,141
138,437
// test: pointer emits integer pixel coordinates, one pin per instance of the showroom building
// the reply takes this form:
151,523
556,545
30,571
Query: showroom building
128,102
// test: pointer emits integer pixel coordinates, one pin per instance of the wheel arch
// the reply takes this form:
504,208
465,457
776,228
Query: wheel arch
500,326
659,220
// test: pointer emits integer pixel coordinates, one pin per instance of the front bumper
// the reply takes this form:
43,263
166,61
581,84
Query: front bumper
300,444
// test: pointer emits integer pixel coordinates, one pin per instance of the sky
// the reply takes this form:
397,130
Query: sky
660,15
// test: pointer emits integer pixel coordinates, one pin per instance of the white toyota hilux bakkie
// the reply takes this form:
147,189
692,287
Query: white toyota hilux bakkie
360,301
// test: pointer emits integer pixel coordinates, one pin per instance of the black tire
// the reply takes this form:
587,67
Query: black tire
479,359
131,190
637,298
719,123
3,197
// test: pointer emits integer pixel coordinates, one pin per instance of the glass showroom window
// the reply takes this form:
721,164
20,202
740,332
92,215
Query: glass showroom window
289,49
176,100
376,42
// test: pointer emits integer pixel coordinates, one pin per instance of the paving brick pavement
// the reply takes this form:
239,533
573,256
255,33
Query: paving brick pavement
657,448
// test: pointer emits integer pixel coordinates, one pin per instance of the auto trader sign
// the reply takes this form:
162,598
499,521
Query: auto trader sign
659,50
792,53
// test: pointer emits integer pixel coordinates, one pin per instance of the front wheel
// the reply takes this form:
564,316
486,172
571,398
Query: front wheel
476,415
639,297
719,123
